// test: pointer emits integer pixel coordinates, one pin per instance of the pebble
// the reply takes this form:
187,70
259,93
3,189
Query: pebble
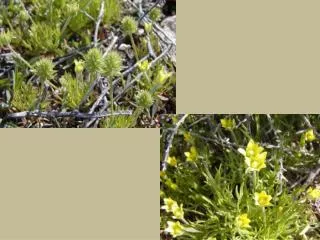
124,47
140,32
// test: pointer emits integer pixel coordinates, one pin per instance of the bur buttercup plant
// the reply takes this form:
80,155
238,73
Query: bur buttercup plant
130,26
73,49
112,66
239,181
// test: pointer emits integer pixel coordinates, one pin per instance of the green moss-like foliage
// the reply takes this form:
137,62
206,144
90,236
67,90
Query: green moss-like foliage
73,90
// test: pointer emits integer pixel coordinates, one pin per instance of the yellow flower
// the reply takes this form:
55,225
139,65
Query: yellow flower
174,228
313,193
228,124
169,204
254,155
192,155
178,211
243,221
187,137
309,135
143,66
172,161
262,199
162,75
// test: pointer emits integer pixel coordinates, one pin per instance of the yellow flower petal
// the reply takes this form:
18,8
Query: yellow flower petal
313,193
178,212
243,221
174,228
170,204
172,161
262,199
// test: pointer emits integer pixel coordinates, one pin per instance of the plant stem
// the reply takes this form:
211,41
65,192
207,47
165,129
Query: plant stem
134,47
254,181
111,94
51,3
184,221
234,137
24,7
19,56
147,76
65,26
135,115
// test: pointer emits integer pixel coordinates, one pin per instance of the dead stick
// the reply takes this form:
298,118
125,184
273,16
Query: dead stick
169,145
101,13
56,114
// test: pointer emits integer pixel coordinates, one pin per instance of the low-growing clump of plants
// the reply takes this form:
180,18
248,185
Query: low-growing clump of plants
240,177
95,60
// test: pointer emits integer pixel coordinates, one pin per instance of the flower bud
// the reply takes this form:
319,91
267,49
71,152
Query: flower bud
44,69
148,27
112,64
79,66
155,14
93,60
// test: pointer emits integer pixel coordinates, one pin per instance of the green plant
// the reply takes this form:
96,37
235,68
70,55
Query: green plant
5,38
93,62
24,94
112,65
155,14
144,99
238,182
129,27
43,38
53,43
74,90
112,11
44,69
118,122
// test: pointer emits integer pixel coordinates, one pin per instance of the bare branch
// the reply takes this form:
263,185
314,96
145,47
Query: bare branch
56,114
101,13
169,145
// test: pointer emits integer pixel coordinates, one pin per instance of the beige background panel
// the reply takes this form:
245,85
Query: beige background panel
248,56
79,184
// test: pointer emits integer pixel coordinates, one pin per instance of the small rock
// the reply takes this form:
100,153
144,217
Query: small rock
124,47
140,32
169,26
